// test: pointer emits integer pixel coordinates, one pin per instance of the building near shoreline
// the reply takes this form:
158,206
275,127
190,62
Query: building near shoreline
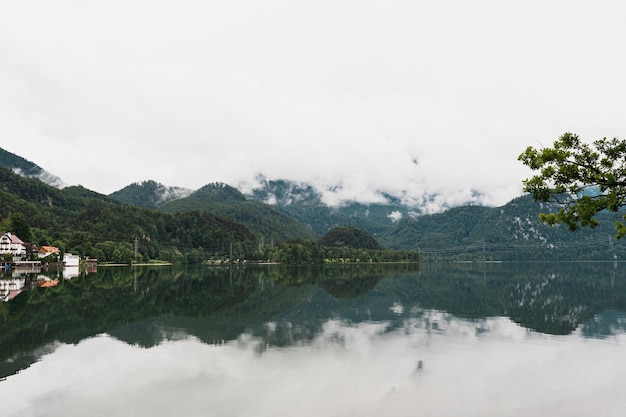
12,245
71,260
45,251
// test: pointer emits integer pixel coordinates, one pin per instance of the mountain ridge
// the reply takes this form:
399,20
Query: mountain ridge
225,200
290,196
466,233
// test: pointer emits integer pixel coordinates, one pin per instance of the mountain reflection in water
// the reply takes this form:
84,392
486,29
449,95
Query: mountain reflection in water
369,340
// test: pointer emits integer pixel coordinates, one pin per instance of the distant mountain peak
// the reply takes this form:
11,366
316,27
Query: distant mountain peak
149,194
284,193
219,192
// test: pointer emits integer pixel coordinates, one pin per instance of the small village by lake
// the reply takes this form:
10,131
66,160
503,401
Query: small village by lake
22,264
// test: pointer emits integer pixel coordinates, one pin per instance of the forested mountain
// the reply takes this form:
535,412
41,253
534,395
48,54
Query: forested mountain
265,220
27,168
91,224
149,194
510,232
218,217
305,204
300,201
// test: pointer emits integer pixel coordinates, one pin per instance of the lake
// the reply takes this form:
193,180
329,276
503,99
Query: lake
502,339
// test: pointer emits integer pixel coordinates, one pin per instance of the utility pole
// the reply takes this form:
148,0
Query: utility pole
484,253
611,248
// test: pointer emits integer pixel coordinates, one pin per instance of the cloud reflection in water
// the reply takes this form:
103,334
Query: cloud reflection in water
434,365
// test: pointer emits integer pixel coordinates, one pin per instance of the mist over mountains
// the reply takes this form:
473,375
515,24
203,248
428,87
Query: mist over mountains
281,192
276,210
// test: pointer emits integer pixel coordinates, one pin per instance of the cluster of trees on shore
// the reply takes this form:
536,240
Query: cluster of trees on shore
298,252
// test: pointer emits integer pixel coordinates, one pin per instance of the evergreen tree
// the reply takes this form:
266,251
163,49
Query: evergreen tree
20,227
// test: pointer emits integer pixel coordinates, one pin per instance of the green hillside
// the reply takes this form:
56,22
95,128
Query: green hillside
15,162
218,220
90,224
304,203
264,220
149,194
512,232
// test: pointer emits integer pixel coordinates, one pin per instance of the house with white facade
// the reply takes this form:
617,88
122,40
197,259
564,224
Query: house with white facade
11,244
71,260
71,267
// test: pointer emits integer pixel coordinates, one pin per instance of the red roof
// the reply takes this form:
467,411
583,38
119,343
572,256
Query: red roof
12,294
16,240
49,249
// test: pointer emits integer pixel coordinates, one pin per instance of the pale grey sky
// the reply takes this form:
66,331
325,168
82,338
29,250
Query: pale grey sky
405,97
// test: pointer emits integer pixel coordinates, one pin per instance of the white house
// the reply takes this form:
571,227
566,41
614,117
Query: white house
71,260
11,244
71,268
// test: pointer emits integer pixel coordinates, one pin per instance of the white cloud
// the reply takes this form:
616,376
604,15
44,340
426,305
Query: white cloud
395,216
347,95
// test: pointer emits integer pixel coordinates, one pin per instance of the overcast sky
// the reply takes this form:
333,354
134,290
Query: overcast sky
405,97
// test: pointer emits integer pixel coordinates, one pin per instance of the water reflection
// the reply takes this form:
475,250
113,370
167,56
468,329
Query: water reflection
14,281
487,367
343,341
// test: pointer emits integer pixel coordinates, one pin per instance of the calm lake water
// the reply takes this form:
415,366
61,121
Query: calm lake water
395,340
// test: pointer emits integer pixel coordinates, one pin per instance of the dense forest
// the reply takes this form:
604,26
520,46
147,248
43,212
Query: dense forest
512,232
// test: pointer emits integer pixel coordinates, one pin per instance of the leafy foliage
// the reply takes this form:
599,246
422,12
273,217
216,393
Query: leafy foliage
19,226
569,170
